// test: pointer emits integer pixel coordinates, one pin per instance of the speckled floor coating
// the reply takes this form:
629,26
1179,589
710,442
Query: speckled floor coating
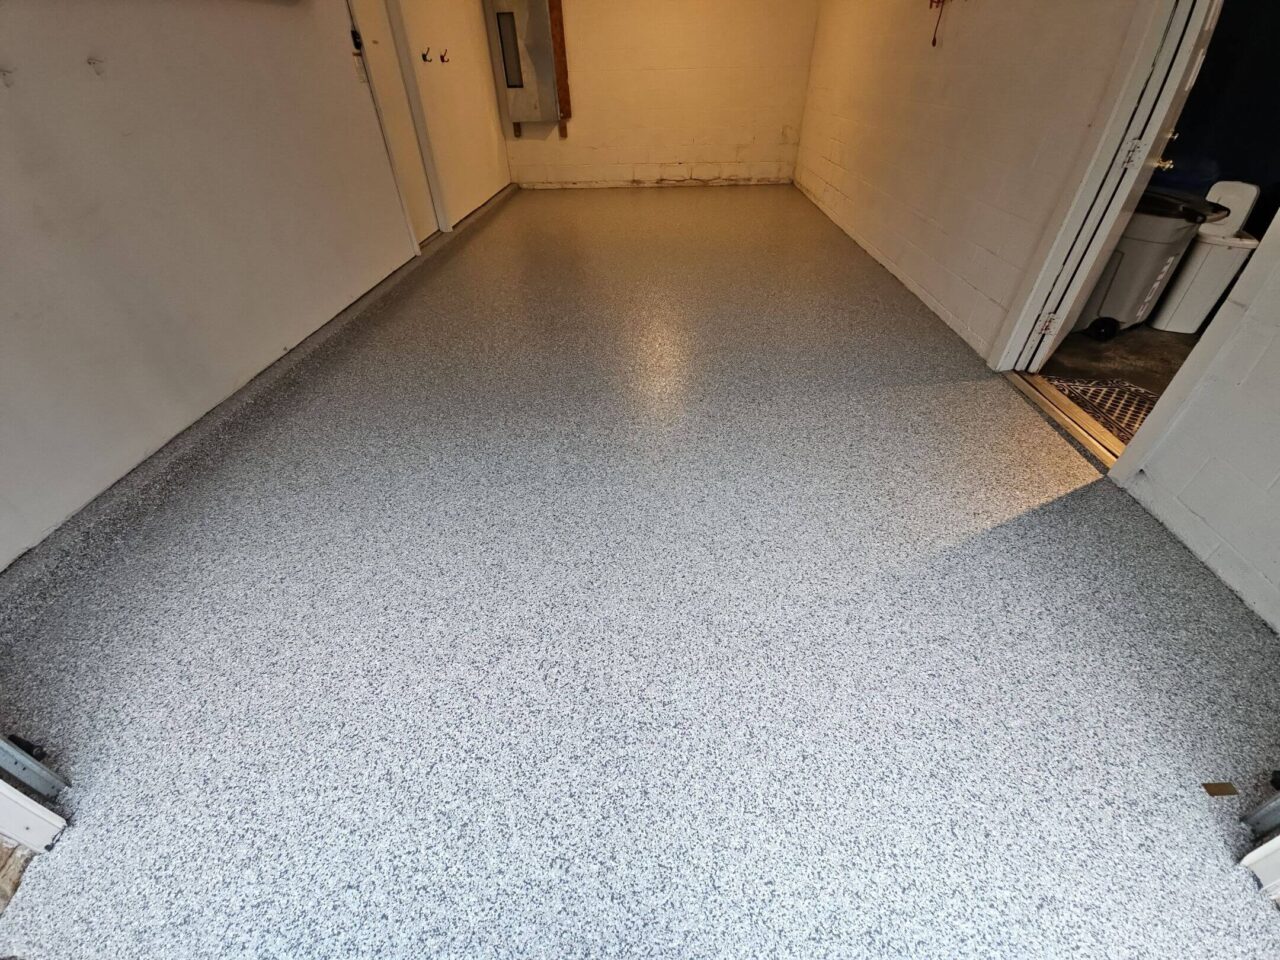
650,575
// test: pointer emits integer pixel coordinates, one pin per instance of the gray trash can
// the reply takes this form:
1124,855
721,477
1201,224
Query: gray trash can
1143,263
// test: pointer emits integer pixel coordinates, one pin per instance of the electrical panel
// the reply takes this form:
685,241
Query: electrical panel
524,59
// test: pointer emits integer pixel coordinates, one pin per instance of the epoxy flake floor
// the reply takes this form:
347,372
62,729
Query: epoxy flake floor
650,575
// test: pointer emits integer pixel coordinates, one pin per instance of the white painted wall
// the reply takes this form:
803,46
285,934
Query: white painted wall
1212,474
170,223
948,163
676,90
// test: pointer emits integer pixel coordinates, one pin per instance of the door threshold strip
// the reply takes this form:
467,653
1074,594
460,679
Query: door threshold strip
1095,437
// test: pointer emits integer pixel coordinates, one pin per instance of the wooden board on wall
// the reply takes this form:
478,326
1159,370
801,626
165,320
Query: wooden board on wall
564,103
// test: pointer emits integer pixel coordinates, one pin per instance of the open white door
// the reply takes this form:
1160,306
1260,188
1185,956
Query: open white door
391,99
1165,68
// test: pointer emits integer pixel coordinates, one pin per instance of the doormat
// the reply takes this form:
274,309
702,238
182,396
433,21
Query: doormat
13,861
1118,405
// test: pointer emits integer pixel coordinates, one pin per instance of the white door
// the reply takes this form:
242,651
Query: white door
1144,121
450,56
392,101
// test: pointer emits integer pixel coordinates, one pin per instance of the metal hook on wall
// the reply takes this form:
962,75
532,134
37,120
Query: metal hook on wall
425,58
444,57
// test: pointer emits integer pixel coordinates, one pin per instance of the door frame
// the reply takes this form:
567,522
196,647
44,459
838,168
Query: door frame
1166,61
1101,206
382,127
364,33
1230,314
404,54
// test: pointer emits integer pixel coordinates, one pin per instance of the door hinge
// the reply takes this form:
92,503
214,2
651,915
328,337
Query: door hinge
1133,152
357,51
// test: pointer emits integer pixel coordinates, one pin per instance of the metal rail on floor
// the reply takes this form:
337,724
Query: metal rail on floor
24,767
1091,434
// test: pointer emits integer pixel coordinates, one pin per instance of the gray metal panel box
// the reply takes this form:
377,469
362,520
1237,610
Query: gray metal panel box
524,59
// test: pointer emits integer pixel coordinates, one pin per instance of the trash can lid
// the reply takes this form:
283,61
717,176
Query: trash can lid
1181,206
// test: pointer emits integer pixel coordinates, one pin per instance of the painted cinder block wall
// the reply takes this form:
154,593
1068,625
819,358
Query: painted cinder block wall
949,163
1213,476
677,91
174,217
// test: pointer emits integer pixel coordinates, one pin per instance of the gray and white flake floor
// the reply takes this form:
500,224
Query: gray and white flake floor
650,575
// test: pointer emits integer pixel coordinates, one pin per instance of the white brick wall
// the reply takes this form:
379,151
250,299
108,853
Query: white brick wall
676,90
947,163
1213,476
